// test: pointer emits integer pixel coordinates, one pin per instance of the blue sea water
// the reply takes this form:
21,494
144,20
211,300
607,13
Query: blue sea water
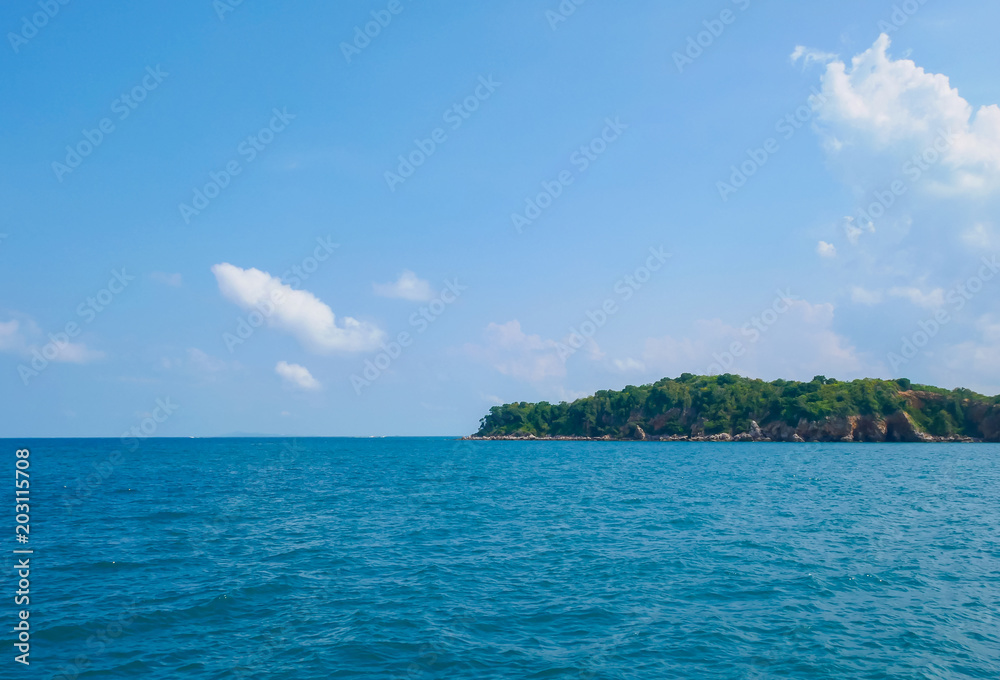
435,558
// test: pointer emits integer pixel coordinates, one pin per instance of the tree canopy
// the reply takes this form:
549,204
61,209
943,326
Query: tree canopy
727,403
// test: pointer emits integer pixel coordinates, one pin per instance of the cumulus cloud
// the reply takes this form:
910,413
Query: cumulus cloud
204,362
511,351
296,376
75,353
629,365
798,343
825,249
25,339
532,358
978,358
929,300
407,287
11,339
853,231
894,107
809,56
980,237
922,162
297,312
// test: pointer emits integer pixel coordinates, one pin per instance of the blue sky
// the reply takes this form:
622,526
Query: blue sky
544,202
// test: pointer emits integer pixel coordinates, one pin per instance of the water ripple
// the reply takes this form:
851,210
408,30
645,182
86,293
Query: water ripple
432,558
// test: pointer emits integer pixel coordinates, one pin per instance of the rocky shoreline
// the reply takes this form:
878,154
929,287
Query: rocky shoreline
898,427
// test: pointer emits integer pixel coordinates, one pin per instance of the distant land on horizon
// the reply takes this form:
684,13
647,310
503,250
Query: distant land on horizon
733,408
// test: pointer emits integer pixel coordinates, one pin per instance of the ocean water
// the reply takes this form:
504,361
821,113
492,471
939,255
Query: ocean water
435,558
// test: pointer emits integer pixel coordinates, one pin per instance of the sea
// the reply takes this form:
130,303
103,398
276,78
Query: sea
440,558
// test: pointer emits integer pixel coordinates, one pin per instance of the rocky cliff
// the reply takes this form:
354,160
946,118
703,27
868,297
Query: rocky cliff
730,408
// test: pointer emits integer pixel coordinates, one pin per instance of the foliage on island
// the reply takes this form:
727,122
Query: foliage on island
707,405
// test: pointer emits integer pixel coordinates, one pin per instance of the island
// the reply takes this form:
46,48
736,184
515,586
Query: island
733,408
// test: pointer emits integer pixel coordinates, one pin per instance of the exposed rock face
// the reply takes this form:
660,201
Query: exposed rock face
989,422
901,428
896,427
753,434
870,430
660,421
779,432
700,407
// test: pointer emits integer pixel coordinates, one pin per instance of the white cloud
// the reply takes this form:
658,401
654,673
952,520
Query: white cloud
512,352
930,300
205,362
407,287
826,249
979,357
629,365
922,162
809,56
76,353
854,232
296,376
687,354
25,339
799,344
880,106
297,312
980,237
11,339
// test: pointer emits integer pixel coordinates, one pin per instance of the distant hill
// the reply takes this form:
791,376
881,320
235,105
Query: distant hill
732,408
